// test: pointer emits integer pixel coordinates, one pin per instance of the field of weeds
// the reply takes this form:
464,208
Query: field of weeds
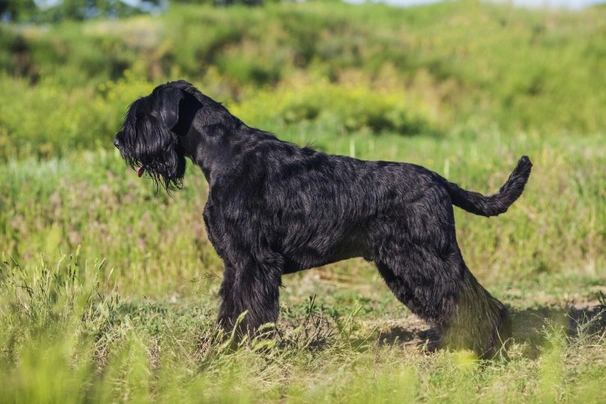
108,288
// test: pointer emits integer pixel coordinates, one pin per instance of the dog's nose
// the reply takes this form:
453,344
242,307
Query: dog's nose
117,142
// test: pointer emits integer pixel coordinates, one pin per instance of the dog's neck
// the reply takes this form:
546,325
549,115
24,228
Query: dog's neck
217,148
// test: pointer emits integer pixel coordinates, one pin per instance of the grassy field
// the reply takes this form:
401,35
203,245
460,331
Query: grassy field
108,289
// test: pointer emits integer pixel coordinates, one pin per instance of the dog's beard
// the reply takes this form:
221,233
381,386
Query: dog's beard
166,170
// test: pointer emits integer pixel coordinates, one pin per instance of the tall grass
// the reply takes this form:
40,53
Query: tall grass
156,242
108,288
64,339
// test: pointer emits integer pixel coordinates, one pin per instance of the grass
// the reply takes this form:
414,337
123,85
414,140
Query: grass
111,288
65,339
108,289
92,199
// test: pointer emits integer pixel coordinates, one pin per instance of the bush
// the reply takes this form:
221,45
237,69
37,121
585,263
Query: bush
49,120
366,68
340,108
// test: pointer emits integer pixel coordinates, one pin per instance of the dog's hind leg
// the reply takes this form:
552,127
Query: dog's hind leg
440,289
479,322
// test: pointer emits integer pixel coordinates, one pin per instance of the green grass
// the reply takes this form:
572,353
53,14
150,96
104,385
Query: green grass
66,339
157,243
111,288
108,289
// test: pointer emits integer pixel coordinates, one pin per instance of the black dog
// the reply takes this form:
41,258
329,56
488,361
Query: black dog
275,208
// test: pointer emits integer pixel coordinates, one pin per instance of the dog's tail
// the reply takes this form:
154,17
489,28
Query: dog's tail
498,203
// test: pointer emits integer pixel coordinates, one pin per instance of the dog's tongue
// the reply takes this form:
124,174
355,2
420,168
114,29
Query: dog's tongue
141,171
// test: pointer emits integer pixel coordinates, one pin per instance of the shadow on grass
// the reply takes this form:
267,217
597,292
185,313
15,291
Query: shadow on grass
528,324
577,321
402,335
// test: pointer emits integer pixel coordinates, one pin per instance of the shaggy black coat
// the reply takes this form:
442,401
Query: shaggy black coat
275,208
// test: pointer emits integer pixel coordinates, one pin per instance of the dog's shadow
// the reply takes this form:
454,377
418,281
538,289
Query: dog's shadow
407,336
530,328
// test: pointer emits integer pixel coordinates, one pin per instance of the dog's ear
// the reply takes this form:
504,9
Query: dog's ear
170,98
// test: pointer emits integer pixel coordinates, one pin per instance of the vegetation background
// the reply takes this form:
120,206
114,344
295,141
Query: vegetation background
108,289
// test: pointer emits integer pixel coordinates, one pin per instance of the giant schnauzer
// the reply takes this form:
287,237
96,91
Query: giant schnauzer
275,208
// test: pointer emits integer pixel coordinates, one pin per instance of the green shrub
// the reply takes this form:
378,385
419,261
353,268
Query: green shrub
528,70
345,108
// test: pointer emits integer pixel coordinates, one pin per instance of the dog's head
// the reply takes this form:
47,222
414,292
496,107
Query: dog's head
149,138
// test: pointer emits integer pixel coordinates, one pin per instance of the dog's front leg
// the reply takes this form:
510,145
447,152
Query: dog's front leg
252,288
227,315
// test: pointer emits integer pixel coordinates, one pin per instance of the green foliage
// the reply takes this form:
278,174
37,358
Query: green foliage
74,119
108,288
17,10
339,109
44,12
93,199
64,339
495,65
